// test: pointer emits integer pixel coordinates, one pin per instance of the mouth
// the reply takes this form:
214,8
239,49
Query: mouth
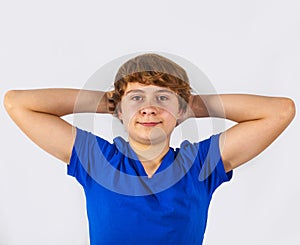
149,124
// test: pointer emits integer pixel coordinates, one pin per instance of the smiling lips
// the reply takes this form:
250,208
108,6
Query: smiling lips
149,124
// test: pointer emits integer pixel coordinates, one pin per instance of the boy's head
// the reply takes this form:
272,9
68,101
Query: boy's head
152,69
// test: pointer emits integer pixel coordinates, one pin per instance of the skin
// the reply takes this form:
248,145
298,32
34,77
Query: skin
259,120
149,114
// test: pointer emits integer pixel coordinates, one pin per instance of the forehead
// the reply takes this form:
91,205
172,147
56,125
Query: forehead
138,87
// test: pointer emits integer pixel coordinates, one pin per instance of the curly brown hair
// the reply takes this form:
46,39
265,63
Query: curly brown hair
152,69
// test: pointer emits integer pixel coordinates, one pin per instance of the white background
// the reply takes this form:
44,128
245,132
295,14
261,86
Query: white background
242,46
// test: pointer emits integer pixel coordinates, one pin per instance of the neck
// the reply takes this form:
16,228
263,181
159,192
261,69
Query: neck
150,155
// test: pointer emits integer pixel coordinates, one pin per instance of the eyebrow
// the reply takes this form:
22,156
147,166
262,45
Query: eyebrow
134,91
142,91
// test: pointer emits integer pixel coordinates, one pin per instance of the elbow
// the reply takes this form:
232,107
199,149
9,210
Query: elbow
288,110
10,100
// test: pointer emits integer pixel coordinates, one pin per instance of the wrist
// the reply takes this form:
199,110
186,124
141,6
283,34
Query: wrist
197,107
106,103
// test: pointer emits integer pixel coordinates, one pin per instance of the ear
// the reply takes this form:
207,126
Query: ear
180,114
119,112
120,115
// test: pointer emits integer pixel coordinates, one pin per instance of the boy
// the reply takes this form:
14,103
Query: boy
142,191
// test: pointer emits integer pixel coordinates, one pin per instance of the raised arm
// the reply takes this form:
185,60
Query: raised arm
260,120
38,114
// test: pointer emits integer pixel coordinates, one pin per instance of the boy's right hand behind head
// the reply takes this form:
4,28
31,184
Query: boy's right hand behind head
111,107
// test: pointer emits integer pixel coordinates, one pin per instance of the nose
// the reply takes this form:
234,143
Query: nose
149,110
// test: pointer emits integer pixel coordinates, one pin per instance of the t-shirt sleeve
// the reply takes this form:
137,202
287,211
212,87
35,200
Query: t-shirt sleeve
88,152
212,171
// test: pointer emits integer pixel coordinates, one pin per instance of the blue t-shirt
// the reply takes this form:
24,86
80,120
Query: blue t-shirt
124,206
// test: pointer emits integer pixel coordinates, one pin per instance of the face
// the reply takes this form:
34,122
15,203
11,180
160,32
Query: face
149,113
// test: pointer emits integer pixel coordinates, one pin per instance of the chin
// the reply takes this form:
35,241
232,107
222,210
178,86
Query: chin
151,140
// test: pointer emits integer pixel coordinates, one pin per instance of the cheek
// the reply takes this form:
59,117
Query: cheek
172,111
123,111
127,115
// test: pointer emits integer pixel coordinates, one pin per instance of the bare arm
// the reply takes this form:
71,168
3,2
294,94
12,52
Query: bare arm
260,120
38,114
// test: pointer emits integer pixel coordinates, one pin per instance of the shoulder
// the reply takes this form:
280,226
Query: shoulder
87,141
206,154
198,153
202,146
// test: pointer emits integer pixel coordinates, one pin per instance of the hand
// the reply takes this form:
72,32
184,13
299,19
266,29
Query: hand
110,103
196,108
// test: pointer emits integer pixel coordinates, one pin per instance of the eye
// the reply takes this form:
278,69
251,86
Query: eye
162,98
137,98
